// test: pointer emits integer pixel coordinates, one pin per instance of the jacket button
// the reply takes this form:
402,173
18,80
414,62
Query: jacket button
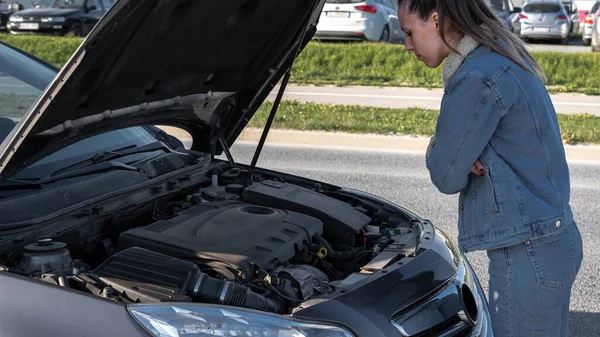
462,207
558,224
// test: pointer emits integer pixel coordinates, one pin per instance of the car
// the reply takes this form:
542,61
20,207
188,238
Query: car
506,13
59,17
595,34
360,20
573,15
545,20
588,25
111,226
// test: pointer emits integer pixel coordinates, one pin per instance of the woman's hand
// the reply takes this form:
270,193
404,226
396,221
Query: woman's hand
477,168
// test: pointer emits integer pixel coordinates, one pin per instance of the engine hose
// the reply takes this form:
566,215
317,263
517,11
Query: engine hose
332,254
211,290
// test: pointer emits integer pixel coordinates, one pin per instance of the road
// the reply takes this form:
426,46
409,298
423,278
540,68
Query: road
402,178
393,97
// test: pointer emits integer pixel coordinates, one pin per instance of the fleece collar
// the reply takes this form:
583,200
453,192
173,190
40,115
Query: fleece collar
464,47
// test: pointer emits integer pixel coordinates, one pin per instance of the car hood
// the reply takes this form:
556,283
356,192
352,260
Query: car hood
203,66
39,12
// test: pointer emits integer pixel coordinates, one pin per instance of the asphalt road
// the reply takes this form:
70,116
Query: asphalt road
402,178
393,97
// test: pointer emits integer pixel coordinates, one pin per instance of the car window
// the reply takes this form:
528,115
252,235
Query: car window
107,4
22,80
595,7
541,8
569,7
91,3
496,5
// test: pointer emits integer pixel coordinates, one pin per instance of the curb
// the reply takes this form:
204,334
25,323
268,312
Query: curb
369,141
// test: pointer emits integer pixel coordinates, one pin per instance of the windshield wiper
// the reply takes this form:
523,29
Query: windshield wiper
113,154
8,184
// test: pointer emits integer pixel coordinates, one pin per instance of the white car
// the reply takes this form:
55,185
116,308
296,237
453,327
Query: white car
589,23
360,20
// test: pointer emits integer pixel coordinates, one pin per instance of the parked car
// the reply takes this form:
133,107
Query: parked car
588,25
506,12
61,17
112,227
573,15
545,20
360,20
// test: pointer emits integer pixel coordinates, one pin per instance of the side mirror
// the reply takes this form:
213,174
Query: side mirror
516,10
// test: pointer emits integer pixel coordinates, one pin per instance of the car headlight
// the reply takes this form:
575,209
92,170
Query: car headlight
14,18
206,320
54,19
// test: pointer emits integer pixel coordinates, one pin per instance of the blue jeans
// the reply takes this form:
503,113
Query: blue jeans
530,285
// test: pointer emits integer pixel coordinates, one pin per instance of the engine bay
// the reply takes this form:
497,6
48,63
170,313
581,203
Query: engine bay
258,240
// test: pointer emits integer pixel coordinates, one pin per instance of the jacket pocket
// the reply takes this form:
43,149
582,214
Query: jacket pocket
554,258
494,198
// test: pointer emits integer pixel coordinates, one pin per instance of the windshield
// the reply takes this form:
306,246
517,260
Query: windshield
22,81
496,5
60,4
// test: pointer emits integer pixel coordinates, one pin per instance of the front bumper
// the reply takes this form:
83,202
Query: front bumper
436,293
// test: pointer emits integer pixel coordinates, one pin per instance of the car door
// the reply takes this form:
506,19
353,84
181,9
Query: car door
93,11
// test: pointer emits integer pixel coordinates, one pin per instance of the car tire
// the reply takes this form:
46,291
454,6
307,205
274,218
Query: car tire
385,34
587,42
76,29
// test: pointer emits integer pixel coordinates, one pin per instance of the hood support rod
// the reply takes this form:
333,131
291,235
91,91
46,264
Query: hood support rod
226,150
263,137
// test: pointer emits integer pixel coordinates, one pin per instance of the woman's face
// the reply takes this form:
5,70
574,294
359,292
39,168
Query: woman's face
422,37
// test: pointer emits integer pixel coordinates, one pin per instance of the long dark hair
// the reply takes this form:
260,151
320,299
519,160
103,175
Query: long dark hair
467,16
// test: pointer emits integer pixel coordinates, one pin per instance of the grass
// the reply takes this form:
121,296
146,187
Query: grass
580,128
370,64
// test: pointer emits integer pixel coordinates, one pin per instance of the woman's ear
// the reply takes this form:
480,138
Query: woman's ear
435,19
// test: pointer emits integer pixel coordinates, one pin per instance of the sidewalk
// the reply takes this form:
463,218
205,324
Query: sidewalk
402,97
370,141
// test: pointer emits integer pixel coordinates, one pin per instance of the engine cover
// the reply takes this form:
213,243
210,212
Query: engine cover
239,234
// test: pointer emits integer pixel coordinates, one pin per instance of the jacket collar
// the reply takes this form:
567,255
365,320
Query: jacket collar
464,47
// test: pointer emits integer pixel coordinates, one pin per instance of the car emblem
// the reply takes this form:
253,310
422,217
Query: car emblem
336,8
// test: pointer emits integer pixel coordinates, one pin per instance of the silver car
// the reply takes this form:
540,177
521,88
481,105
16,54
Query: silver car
360,20
588,24
545,20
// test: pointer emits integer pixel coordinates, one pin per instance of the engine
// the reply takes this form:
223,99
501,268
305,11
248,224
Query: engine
266,245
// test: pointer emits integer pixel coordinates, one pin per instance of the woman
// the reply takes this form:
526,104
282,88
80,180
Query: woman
498,143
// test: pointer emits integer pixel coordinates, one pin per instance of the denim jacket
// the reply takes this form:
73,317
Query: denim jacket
495,111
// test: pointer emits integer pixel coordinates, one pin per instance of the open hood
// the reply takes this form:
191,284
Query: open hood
202,65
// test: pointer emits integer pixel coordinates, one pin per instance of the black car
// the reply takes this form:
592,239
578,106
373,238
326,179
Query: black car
110,226
76,17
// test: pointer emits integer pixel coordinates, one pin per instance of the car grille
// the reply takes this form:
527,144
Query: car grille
31,19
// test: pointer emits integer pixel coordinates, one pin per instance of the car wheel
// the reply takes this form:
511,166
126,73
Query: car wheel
76,29
587,42
385,35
